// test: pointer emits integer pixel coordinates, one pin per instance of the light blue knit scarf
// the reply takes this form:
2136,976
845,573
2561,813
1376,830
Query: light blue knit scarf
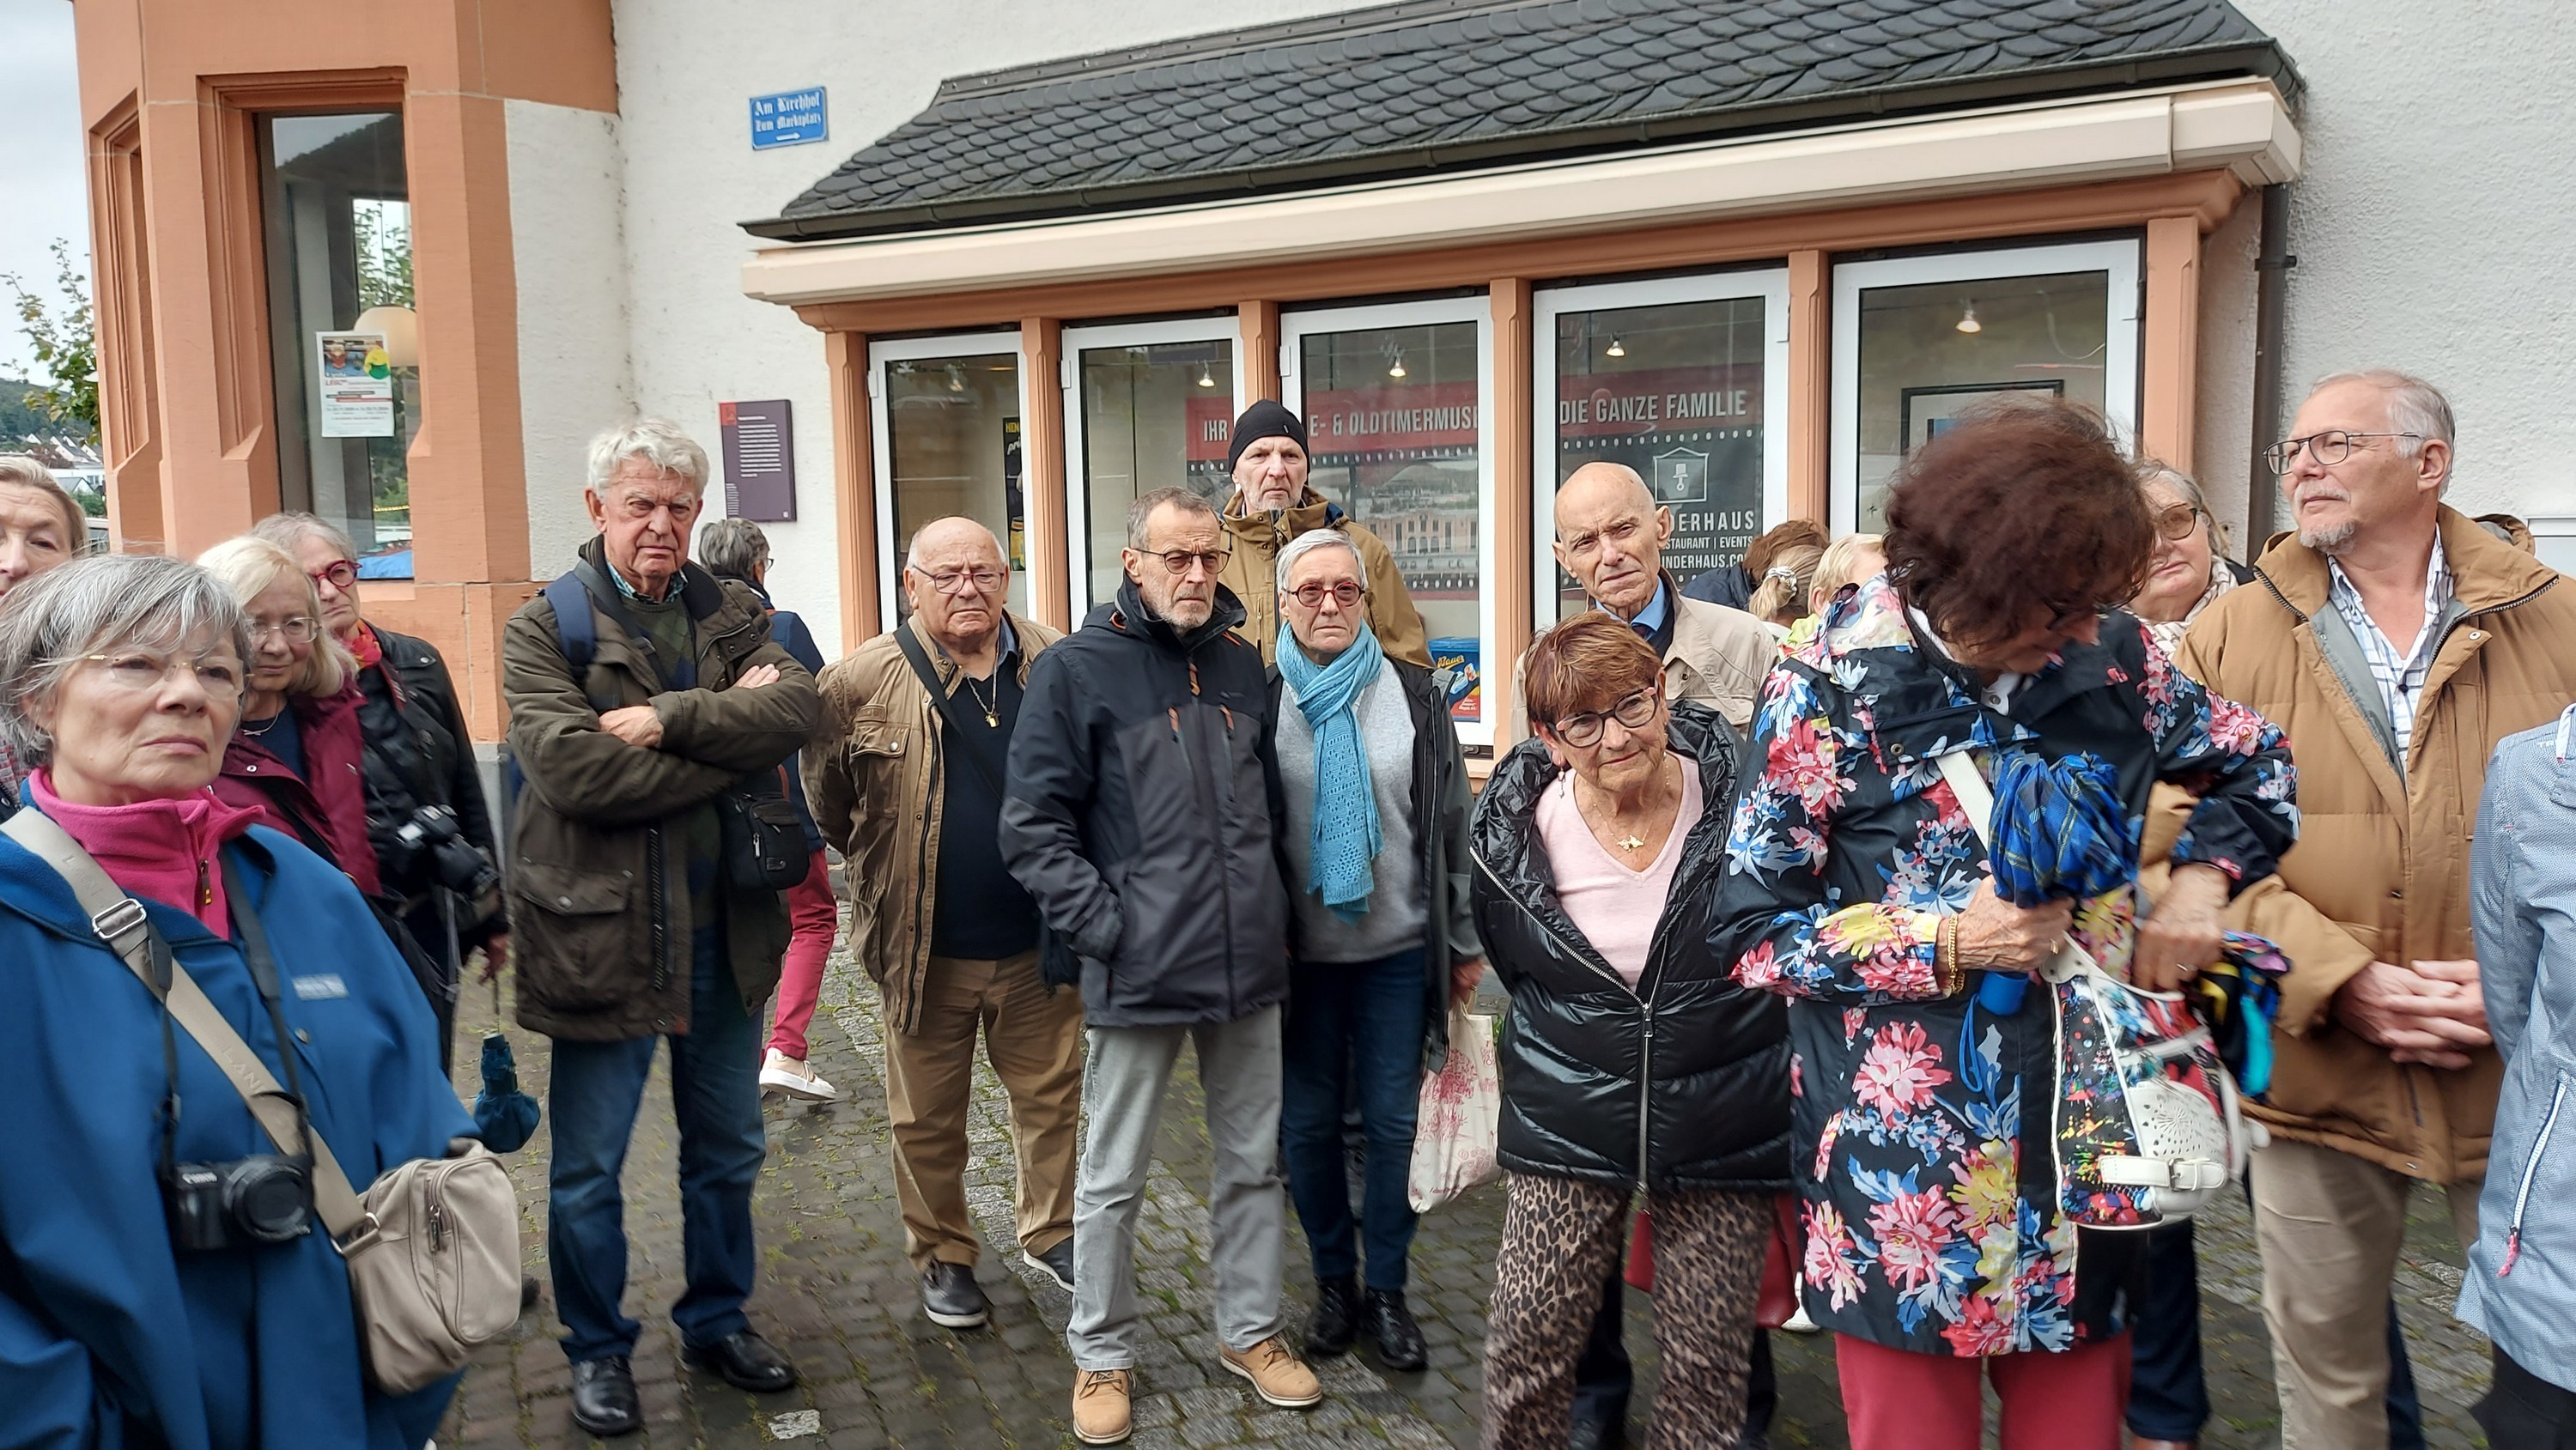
1346,836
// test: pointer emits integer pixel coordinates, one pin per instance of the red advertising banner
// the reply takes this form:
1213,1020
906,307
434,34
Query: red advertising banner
1399,415
1209,428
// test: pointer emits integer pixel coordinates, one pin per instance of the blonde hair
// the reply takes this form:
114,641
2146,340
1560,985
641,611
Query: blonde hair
1782,595
1841,564
249,566
25,472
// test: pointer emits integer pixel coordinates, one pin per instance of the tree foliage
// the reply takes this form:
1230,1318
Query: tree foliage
65,343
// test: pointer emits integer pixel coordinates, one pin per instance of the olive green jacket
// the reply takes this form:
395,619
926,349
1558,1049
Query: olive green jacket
1252,572
600,926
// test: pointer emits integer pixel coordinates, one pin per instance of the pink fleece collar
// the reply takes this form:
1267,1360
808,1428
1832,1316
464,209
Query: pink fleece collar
162,850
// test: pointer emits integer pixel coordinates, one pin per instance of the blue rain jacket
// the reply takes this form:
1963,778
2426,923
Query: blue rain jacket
108,1336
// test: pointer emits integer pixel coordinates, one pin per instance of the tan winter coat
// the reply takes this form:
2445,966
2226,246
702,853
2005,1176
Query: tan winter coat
877,782
1717,658
1252,572
2381,871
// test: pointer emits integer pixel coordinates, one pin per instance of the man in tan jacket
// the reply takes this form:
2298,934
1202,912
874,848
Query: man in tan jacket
910,794
1272,505
2397,642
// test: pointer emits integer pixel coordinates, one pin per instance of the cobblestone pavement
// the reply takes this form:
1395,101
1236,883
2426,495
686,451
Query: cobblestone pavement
839,1297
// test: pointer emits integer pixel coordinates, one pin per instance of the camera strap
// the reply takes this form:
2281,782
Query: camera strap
123,926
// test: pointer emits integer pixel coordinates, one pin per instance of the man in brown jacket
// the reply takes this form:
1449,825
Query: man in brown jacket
1272,505
910,794
642,688
2397,642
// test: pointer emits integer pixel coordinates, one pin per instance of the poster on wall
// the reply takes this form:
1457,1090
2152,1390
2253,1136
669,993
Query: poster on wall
1926,413
1013,499
759,460
357,385
1694,434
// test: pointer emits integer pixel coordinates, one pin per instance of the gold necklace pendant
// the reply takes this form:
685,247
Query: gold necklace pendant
1631,843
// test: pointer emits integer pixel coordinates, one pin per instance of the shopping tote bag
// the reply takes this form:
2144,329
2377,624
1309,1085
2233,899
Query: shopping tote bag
1460,1116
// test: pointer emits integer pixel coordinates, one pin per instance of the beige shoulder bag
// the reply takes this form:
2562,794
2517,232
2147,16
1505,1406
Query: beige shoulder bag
433,1246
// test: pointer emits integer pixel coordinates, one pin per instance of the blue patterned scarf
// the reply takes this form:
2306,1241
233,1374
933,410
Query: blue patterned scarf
1346,836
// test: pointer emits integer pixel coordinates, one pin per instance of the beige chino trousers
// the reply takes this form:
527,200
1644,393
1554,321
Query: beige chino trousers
2330,1226
1033,1038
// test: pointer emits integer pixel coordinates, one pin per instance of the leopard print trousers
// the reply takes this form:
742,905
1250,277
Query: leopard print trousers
1561,1238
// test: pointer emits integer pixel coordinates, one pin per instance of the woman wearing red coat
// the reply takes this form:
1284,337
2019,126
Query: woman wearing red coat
298,755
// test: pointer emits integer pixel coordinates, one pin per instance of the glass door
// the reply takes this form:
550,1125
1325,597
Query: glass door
1147,405
1917,340
1397,433
1683,379
946,413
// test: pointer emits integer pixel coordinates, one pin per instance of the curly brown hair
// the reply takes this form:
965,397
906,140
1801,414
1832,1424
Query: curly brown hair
1590,662
2019,512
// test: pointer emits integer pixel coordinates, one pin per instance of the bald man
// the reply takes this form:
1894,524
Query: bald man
905,776
1610,535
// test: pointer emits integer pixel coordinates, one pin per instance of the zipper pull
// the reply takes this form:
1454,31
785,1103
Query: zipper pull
205,886
2512,1251
1174,712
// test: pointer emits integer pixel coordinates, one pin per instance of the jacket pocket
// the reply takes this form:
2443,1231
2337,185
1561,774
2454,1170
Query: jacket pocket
2546,1178
576,936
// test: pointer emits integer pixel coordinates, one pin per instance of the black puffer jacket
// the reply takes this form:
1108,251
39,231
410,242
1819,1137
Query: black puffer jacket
1143,810
1680,1083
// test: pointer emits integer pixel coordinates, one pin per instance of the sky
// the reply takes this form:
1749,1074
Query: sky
42,191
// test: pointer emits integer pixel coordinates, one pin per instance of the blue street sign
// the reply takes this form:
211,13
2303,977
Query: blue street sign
789,118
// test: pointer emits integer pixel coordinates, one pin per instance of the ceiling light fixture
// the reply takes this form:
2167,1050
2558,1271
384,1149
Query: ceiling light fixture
956,378
1614,349
1397,369
1968,322
1206,379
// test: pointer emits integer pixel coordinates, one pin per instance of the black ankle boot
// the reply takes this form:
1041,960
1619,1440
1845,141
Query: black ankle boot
1390,1323
1337,1317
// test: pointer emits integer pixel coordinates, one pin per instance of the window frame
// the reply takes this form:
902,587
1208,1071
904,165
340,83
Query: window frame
1077,461
983,342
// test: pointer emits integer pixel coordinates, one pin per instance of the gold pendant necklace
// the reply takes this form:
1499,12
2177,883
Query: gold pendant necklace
991,704
1631,843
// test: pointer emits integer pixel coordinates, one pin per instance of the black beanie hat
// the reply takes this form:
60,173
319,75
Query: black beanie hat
1265,419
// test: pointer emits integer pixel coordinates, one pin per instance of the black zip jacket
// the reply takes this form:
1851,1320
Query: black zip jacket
1680,1083
419,753
1143,812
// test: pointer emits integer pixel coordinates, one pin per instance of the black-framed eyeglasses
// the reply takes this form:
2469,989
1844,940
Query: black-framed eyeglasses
959,581
1177,562
2328,448
1633,710
2177,522
1312,596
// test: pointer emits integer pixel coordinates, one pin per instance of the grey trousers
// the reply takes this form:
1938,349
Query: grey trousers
1124,1079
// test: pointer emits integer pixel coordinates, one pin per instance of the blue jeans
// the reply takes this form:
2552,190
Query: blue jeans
715,1095
2169,1399
1360,1022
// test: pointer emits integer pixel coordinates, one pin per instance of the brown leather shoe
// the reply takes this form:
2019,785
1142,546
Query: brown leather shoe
1100,1406
1277,1374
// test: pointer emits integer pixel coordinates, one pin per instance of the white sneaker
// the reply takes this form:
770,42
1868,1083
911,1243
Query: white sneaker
784,1076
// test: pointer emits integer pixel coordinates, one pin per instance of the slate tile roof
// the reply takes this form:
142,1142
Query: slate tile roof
1434,85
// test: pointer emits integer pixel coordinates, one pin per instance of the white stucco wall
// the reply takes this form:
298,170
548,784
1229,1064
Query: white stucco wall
686,70
568,251
2432,226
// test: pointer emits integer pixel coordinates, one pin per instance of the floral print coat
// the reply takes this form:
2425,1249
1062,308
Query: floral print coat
1931,1220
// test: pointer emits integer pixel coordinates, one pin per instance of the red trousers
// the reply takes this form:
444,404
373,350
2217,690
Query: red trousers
1896,1399
812,917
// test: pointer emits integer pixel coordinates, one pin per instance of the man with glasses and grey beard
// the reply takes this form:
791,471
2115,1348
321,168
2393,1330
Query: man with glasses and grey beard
2397,642
905,775
1143,813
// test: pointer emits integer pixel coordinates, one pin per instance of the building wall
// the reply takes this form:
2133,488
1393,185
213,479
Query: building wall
686,70
2432,224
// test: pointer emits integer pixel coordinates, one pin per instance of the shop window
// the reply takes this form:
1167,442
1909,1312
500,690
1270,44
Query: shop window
1393,399
1673,378
336,214
1919,340
949,444
1154,409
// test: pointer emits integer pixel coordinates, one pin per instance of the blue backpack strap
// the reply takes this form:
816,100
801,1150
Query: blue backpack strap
576,630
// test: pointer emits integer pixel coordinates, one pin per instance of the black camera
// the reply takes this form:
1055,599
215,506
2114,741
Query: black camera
454,862
261,1199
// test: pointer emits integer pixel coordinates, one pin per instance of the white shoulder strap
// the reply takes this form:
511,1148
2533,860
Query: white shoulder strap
1978,800
121,923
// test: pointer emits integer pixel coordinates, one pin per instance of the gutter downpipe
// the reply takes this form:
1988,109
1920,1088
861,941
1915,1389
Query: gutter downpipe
2271,267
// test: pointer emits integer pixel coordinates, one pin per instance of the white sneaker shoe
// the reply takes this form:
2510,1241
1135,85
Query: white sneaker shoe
784,1076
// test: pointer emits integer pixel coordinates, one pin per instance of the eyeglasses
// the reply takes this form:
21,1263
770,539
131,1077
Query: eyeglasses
2328,448
1178,561
1584,730
1312,596
297,630
142,670
965,581
339,574
2176,523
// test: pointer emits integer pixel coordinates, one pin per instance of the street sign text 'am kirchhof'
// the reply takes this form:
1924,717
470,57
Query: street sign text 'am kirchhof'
789,118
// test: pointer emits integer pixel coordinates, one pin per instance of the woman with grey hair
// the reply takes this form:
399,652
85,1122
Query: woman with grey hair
218,1319
2190,567
41,527
1382,935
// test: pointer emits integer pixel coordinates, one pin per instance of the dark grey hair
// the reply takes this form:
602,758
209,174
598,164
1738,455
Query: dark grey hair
287,530
657,441
733,549
1313,539
1141,512
102,605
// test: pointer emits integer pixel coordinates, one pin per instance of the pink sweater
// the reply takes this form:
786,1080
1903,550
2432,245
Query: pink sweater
163,850
1615,905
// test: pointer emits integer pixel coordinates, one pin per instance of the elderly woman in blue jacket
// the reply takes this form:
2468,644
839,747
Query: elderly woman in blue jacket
2522,902
120,681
